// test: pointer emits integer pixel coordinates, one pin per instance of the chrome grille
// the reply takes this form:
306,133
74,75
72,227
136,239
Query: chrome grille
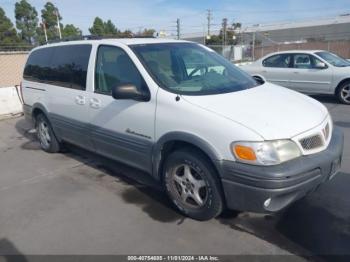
311,142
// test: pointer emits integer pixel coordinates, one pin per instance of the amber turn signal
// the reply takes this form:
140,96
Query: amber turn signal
244,153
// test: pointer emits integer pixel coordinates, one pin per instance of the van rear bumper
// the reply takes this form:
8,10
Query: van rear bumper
272,188
27,111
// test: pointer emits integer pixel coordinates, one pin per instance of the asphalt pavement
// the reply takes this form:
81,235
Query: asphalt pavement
79,203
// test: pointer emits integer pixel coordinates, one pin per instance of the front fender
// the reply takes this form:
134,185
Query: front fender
192,139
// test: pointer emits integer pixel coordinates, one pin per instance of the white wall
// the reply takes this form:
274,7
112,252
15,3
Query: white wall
10,103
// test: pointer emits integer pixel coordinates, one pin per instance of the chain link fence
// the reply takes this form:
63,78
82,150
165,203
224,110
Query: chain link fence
234,53
340,47
11,67
13,58
244,53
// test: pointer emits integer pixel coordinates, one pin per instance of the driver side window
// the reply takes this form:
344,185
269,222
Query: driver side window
306,61
114,67
302,61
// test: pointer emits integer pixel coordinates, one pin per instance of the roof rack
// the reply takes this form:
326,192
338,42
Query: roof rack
75,38
93,37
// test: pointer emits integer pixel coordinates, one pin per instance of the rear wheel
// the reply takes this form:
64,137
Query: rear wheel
47,138
192,184
343,93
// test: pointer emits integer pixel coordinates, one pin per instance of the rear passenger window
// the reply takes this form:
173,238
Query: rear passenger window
64,66
69,66
114,67
280,61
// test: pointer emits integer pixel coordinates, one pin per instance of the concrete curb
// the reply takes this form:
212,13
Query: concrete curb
10,101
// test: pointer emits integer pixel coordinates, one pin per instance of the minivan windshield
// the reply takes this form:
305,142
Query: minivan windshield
191,69
333,59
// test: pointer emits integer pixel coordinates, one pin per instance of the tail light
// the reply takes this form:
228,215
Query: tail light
19,92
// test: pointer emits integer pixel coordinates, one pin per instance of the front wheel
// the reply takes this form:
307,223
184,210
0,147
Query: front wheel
343,93
192,184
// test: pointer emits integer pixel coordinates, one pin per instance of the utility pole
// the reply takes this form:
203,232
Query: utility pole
209,18
58,23
178,28
224,29
253,52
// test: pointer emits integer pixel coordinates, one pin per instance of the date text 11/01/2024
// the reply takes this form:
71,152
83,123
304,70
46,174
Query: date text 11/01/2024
173,258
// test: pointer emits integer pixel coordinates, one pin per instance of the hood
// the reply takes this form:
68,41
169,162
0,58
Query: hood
271,111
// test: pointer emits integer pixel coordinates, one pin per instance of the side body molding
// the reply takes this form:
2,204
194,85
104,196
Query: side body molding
208,149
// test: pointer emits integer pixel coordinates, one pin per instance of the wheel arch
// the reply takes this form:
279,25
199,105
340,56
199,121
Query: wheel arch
37,109
175,140
340,84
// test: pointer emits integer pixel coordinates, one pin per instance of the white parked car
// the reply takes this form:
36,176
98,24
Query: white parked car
310,72
206,130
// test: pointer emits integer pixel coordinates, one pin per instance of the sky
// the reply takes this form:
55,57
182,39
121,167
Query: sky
162,14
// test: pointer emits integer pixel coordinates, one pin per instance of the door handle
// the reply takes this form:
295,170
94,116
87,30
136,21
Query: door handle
80,100
296,72
95,103
263,71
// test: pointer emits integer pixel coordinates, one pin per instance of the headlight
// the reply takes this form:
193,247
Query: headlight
265,153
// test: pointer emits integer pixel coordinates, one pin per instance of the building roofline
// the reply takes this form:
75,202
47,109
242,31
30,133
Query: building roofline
298,24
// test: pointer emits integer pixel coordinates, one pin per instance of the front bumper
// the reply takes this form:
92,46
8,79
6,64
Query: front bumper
248,187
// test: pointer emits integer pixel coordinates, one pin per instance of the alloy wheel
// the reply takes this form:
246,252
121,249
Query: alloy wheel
345,93
188,186
44,135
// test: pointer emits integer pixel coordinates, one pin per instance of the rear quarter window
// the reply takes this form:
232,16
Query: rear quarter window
64,66
37,67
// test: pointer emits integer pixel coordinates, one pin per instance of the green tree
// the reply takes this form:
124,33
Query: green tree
98,27
110,29
49,15
148,32
126,34
70,30
231,36
26,20
8,34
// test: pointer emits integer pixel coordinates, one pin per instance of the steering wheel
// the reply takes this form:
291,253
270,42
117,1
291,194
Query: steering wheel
197,69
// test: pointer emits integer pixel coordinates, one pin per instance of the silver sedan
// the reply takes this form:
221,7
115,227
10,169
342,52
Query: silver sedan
311,72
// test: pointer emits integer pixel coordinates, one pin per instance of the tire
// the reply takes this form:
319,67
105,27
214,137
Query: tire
45,134
343,92
192,184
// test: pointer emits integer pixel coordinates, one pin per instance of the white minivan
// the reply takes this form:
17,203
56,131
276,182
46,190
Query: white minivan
212,135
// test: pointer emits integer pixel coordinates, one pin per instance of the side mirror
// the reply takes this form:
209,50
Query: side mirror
259,80
321,65
129,91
